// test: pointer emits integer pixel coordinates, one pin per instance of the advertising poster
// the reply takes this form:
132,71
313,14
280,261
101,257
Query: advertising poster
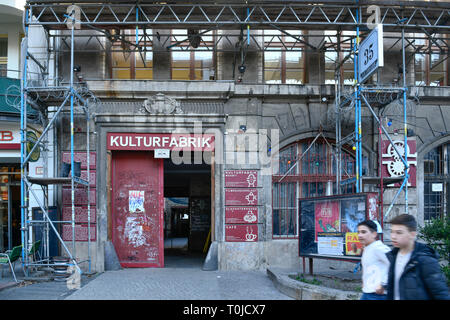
353,212
352,245
330,244
327,217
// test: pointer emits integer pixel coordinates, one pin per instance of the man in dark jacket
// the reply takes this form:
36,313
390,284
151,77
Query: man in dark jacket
414,272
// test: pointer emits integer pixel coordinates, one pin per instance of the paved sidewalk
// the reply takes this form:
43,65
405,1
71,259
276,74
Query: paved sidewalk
182,278
179,284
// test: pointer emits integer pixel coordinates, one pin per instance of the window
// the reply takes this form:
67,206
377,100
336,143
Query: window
3,55
430,69
129,64
333,57
306,178
436,182
420,70
195,64
285,66
331,60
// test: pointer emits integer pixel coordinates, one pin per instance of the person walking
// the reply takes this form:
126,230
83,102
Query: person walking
414,272
375,264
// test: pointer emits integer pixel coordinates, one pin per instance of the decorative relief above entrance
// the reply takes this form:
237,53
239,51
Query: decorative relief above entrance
161,104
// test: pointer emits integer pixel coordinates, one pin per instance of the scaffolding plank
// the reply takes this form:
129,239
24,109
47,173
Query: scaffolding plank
55,180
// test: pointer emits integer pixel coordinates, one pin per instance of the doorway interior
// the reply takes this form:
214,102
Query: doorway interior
10,220
187,210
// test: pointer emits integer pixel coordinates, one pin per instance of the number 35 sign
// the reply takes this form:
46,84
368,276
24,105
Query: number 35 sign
371,53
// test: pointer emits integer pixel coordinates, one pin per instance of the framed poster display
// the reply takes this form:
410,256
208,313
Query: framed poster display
328,225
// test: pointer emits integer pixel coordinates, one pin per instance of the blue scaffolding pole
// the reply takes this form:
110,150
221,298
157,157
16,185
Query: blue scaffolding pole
23,150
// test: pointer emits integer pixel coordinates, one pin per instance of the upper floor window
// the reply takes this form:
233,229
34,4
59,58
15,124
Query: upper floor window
333,57
3,55
288,65
195,64
430,69
126,62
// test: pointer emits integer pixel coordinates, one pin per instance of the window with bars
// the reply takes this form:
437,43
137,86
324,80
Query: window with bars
283,60
305,178
436,182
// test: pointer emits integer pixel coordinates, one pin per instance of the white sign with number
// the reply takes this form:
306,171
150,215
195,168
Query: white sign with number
162,153
437,187
371,54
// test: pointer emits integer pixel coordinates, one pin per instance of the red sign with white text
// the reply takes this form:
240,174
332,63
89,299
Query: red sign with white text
241,214
241,233
241,178
152,141
241,197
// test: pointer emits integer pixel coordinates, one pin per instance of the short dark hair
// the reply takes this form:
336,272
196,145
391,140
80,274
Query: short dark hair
369,224
406,220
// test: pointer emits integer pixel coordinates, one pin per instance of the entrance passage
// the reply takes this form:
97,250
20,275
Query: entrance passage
187,212
137,208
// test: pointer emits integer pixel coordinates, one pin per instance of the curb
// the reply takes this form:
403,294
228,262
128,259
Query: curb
8,285
305,291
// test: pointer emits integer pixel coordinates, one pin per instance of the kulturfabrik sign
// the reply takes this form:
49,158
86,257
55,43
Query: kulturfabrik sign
152,141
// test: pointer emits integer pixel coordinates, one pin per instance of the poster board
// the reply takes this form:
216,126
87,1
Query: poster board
328,225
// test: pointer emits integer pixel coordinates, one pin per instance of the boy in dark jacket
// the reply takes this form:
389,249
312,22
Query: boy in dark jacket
414,272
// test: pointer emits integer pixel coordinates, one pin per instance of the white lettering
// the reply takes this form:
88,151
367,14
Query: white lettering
139,140
122,143
114,142
165,140
183,142
156,141
192,141
148,143
205,142
131,144
173,142
200,310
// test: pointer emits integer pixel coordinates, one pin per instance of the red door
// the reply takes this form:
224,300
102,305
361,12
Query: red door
137,209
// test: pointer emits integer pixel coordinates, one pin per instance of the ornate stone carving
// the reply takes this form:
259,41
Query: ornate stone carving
162,104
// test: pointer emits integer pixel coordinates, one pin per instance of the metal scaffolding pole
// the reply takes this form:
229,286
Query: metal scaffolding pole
76,99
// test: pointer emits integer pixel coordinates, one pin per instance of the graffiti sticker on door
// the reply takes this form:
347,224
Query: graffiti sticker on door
136,201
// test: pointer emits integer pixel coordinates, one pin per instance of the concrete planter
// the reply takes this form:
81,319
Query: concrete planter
305,291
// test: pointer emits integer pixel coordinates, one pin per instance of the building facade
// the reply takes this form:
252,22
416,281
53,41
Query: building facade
198,138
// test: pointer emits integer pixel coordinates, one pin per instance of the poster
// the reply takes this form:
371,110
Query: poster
327,218
352,245
330,244
353,212
136,201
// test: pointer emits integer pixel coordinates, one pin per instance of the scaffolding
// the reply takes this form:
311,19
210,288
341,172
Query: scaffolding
107,19
368,95
43,94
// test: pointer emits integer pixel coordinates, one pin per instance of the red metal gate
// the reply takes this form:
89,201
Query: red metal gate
137,209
